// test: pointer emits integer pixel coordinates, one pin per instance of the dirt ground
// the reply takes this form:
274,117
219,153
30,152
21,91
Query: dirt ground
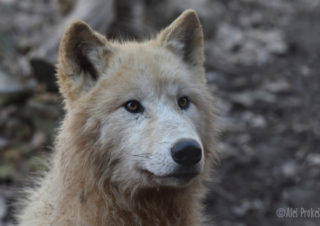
262,63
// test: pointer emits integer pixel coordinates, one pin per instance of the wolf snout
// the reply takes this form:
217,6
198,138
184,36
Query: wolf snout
186,152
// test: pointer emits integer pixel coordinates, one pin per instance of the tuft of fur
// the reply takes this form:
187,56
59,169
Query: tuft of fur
105,165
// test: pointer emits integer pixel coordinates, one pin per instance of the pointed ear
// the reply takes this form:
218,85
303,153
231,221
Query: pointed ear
83,56
184,37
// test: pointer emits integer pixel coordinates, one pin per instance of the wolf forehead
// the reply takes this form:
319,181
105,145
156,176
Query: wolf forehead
153,69
145,59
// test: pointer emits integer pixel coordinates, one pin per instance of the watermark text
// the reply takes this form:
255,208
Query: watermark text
310,213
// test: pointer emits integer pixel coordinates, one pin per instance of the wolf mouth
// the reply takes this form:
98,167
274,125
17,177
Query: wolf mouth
180,175
174,175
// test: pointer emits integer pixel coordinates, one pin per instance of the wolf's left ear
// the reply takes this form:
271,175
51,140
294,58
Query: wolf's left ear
83,56
184,37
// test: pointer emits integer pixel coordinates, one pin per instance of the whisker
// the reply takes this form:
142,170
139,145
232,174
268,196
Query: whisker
141,156
164,142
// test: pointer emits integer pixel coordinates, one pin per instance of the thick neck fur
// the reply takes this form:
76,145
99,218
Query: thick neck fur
146,207
84,201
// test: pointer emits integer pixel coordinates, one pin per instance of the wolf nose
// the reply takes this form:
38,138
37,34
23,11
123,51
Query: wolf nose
186,152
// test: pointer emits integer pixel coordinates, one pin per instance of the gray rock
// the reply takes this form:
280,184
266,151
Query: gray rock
277,86
246,205
254,120
289,169
248,46
248,98
314,159
3,208
3,142
12,90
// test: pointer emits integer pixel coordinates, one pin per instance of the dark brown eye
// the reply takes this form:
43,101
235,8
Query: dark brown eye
184,102
133,106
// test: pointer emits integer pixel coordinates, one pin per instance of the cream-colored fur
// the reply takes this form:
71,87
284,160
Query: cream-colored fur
109,165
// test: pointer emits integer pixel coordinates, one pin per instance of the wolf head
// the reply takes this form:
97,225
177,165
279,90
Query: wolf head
141,111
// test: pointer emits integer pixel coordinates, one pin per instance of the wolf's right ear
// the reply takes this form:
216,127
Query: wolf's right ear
83,56
184,37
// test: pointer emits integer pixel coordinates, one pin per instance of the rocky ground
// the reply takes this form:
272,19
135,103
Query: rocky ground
262,65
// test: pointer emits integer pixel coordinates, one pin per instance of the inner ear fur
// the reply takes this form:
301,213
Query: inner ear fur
184,37
83,55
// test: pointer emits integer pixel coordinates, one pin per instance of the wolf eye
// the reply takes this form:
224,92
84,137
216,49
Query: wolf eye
133,106
184,102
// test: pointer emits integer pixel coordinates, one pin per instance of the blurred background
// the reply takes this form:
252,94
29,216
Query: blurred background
262,64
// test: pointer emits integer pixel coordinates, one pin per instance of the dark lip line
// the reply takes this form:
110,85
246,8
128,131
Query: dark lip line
174,175
180,175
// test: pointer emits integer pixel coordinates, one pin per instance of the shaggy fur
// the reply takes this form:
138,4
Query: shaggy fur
106,168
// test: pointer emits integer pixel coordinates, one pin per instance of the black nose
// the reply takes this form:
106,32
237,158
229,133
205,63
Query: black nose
186,152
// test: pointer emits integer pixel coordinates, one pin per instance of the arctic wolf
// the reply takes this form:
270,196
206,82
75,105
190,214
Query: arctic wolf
138,138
